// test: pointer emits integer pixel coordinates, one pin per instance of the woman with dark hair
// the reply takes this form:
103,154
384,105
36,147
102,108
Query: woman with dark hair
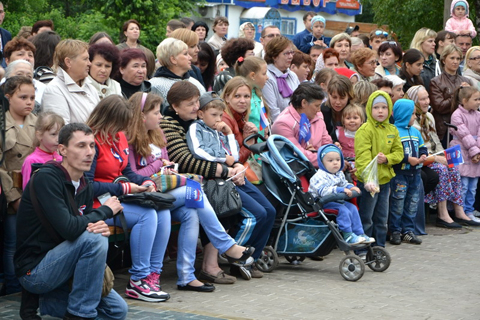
412,67
133,72
100,37
304,108
201,29
281,80
390,54
207,64
232,50
220,30
131,35
45,44
105,58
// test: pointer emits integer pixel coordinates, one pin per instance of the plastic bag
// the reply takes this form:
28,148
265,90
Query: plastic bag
370,177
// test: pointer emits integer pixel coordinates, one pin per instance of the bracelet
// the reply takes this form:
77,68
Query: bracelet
224,174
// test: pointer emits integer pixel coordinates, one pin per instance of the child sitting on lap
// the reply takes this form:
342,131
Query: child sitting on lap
330,179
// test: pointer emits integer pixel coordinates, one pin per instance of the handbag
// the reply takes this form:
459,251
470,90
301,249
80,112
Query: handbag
169,182
223,197
108,277
254,171
155,200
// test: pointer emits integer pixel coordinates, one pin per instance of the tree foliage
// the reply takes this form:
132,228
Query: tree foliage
80,19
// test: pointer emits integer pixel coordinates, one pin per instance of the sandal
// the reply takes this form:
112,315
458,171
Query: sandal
244,260
220,278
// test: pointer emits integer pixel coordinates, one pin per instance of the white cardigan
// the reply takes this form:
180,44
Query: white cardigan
67,99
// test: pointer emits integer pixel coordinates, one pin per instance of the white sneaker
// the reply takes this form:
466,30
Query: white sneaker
476,213
472,217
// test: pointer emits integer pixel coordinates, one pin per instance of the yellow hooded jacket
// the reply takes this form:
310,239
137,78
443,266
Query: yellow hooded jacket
374,137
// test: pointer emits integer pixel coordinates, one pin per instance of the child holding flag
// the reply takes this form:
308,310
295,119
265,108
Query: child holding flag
465,103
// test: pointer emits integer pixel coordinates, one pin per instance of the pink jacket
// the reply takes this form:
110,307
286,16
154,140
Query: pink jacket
287,124
456,25
468,123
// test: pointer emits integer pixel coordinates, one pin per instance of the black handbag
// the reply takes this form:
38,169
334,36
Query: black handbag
223,197
155,200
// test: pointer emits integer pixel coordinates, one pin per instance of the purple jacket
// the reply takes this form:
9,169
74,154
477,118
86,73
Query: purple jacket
145,166
468,123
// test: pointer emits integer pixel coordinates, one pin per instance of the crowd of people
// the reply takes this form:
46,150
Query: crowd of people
93,112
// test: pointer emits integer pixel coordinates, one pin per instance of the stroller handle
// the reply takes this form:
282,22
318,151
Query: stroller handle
337,197
256,148
454,127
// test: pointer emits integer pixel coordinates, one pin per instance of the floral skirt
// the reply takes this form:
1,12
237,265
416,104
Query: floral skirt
449,186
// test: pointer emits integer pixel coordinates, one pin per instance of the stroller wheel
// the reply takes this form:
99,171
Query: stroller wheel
294,259
268,260
352,268
378,259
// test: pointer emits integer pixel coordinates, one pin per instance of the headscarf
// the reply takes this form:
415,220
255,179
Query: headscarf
425,124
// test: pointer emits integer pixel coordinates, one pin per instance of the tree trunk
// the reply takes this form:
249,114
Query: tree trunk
446,11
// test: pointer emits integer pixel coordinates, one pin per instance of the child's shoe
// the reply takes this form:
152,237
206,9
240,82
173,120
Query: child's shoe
352,238
410,237
396,238
368,239
473,217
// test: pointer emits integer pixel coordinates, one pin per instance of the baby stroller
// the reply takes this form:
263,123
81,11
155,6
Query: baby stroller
303,228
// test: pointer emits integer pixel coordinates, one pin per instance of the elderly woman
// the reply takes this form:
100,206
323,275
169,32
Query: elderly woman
133,72
220,29
471,69
176,64
71,94
390,54
365,62
442,88
449,186
183,99
232,50
191,40
131,34
201,29
281,80
21,49
306,101
247,30
424,41
105,58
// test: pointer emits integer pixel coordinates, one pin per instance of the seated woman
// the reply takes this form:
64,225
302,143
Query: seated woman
449,187
105,58
183,99
71,94
147,156
176,64
150,229
304,112
365,62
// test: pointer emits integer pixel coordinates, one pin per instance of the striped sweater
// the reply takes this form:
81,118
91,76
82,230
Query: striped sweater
176,136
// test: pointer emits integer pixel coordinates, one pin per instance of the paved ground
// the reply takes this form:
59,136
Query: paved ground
436,280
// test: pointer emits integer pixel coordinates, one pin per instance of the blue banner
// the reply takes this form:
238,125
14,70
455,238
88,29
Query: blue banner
193,194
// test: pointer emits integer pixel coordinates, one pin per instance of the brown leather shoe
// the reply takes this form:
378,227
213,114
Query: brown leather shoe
220,278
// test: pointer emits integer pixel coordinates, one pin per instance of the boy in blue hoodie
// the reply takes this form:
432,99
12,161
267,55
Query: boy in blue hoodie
405,185
330,179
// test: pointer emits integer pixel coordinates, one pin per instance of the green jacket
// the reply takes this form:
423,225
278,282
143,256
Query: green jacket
374,137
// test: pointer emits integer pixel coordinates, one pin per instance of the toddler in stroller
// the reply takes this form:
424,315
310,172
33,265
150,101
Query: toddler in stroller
329,179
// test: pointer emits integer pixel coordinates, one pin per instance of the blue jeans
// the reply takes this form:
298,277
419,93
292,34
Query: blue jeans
10,226
404,202
188,235
348,219
149,235
84,259
469,189
374,213
258,218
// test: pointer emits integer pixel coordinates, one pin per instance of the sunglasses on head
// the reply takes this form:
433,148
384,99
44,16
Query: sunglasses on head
380,33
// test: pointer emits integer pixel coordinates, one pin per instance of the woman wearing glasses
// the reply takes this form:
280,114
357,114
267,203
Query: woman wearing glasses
281,80
365,62
472,66
424,41
390,54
